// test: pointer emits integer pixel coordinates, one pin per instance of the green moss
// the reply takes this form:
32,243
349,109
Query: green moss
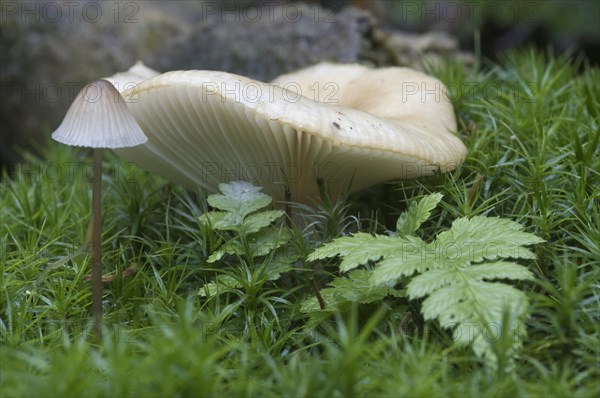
531,124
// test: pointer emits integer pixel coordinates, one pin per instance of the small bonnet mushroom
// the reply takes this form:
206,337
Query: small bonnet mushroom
98,118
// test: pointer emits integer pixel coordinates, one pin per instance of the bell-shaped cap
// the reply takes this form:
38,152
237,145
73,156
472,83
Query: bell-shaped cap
99,118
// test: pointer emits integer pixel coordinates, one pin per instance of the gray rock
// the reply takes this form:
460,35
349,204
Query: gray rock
273,41
46,59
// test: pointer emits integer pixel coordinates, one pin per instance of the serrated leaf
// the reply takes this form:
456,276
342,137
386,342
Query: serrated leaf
484,238
267,240
356,287
255,222
498,270
212,218
358,249
411,255
432,280
239,198
221,284
222,220
272,270
236,203
260,244
477,303
278,266
417,214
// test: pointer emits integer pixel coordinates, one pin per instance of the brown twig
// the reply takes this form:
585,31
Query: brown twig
318,294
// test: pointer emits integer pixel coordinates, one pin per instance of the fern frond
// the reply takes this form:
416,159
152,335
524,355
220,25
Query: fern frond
468,241
458,273
360,248
475,239
424,284
418,212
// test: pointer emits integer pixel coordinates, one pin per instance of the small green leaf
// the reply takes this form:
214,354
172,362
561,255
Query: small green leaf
256,222
484,238
417,214
260,244
267,240
272,270
222,221
217,255
356,287
278,265
220,285
214,219
239,198
357,249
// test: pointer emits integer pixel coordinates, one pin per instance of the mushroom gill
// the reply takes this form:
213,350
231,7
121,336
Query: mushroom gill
347,126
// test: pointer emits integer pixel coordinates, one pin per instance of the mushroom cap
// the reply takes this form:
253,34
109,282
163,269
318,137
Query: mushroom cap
347,126
131,77
99,118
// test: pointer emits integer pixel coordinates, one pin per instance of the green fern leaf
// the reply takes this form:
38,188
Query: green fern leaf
482,238
356,287
255,222
417,214
473,302
357,249
411,255
426,283
458,273
468,241
260,244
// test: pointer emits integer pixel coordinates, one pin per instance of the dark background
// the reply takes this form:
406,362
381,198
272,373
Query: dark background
48,51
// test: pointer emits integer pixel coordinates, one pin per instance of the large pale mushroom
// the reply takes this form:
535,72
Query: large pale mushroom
347,126
130,78
98,118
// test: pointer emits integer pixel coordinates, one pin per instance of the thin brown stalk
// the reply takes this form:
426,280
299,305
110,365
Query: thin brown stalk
95,248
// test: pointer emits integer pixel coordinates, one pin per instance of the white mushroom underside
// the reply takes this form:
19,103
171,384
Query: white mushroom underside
203,130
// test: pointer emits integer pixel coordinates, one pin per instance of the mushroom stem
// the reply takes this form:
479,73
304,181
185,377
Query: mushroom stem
96,250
